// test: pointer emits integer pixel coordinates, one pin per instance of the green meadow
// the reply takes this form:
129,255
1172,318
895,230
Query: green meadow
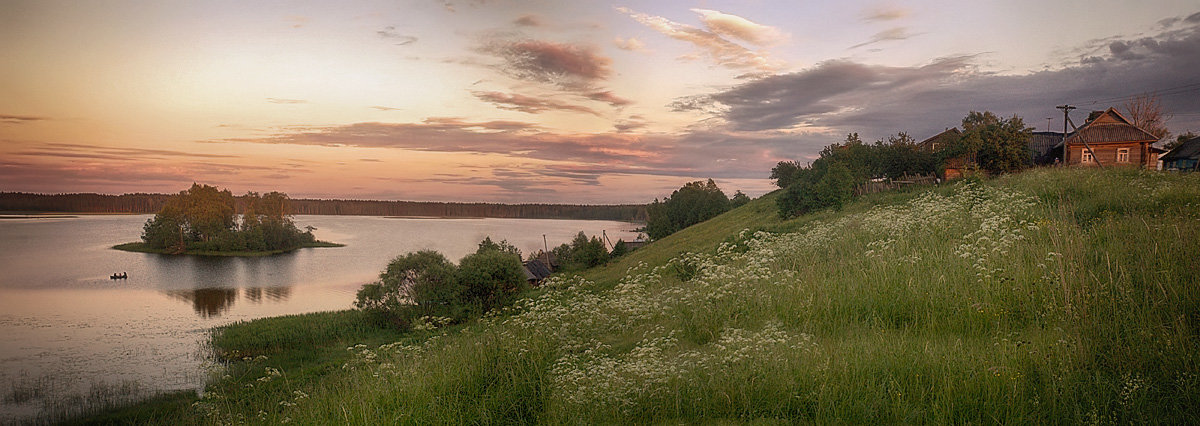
1050,296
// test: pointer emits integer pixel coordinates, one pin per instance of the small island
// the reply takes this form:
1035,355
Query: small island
203,221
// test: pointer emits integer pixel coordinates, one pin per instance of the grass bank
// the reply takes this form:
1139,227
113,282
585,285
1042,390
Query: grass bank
141,247
1052,296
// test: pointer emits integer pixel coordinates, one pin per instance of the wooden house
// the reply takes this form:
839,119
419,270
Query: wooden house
1042,147
1108,139
1185,157
939,141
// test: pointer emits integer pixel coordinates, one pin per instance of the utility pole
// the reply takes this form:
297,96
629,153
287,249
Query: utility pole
1066,109
546,252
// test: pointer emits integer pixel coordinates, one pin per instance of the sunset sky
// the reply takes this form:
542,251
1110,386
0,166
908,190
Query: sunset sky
541,101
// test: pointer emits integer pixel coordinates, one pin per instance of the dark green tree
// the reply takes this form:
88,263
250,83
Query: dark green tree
619,249
490,279
996,145
695,202
503,246
202,218
739,199
784,173
424,282
1187,136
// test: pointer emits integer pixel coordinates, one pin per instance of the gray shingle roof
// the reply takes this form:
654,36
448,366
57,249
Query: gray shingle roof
1188,149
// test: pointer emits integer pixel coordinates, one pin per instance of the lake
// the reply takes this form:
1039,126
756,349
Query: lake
66,328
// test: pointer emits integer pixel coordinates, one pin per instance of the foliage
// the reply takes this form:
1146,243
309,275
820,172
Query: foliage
619,249
739,199
422,282
695,202
425,284
202,219
996,145
1054,296
503,246
785,173
490,279
582,253
831,179
1180,139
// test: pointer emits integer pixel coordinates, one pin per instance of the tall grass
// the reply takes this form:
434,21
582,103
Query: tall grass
1053,296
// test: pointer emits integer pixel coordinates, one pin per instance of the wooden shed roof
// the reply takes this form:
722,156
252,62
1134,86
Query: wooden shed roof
1187,150
952,132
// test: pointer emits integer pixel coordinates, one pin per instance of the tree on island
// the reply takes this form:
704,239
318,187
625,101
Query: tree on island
203,218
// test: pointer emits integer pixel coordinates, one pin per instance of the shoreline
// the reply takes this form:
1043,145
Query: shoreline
140,247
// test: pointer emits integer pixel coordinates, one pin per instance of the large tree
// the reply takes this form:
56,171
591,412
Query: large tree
695,202
996,144
1146,111
203,218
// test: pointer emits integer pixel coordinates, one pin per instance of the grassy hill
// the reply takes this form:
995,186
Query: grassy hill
1050,296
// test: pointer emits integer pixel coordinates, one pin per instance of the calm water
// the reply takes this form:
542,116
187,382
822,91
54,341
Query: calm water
66,327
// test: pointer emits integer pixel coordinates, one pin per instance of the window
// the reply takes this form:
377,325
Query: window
1123,155
1085,156
933,146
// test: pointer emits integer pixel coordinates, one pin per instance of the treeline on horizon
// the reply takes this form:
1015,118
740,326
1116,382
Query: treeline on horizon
151,203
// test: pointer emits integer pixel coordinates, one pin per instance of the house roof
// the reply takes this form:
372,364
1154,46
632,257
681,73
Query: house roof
536,270
1042,142
1186,150
948,133
1109,126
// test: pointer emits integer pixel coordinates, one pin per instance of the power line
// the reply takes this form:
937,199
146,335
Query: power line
1170,91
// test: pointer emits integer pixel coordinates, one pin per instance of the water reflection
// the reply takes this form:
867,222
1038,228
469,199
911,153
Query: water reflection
213,302
208,302
212,284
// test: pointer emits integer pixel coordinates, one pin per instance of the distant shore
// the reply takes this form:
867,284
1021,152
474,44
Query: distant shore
140,247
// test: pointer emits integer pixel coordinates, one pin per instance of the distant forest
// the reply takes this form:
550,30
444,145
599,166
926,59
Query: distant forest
152,203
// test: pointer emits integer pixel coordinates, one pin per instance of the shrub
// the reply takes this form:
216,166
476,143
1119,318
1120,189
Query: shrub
421,283
490,279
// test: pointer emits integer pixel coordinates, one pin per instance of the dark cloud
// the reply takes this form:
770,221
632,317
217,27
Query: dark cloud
529,21
890,34
384,108
718,154
452,6
884,14
608,97
67,150
876,100
567,66
19,119
390,33
529,104
633,122
286,101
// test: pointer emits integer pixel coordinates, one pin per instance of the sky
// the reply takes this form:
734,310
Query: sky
541,101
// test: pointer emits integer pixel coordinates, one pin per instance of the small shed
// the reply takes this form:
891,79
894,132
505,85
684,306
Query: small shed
1041,147
535,271
1185,157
